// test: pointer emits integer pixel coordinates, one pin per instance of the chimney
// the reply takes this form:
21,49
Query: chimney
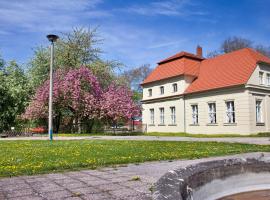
199,51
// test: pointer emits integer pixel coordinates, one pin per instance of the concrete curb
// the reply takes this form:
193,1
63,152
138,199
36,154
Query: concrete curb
214,179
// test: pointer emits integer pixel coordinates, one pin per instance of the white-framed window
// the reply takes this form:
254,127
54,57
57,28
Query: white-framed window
161,89
173,118
212,113
230,112
149,92
261,78
161,115
259,116
268,79
195,117
175,87
152,116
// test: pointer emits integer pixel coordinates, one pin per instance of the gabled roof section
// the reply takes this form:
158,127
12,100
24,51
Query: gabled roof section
227,70
180,55
182,63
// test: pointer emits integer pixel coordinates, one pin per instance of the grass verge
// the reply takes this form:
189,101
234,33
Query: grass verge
36,157
165,135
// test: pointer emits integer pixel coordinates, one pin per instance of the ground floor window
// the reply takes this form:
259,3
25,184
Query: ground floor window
259,118
152,116
195,117
268,79
173,121
212,113
161,110
230,112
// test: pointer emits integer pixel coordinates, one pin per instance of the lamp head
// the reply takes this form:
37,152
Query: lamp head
52,38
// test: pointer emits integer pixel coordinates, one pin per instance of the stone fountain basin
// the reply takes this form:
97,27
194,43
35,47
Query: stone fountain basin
215,179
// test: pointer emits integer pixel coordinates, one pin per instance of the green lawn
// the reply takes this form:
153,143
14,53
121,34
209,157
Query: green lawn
34,157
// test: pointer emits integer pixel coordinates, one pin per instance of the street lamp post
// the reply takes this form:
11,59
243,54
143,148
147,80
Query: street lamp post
52,39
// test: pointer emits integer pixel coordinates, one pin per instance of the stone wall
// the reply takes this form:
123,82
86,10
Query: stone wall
215,179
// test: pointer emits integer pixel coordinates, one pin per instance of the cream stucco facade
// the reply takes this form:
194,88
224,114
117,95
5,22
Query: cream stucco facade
239,117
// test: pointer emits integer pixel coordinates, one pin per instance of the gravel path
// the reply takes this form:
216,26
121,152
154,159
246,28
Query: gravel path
120,183
247,140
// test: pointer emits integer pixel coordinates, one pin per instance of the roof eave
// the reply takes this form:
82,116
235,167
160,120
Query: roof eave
142,84
187,56
262,62
213,89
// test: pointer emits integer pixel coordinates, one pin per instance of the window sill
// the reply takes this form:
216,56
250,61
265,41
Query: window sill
260,124
161,125
172,124
212,124
194,125
151,125
230,124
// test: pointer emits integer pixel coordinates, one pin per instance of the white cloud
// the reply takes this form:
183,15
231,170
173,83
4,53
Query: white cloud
167,44
136,46
166,8
40,15
26,22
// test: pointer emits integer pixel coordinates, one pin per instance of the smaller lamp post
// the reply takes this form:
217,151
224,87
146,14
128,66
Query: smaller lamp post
52,39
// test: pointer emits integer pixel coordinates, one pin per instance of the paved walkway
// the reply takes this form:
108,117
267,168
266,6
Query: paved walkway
247,140
121,183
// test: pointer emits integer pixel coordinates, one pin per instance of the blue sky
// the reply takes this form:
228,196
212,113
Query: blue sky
135,32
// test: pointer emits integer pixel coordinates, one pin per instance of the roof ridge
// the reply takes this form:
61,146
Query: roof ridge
226,54
251,53
254,53
180,55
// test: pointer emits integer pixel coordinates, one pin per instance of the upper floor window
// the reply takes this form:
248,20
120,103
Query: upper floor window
174,87
259,118
268,79
173,121
149,92
212,113
161,90
230,112
152,116
261,78
195,117
161,110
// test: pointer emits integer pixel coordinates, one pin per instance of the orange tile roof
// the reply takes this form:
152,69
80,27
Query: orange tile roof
180,55
179,64
226,70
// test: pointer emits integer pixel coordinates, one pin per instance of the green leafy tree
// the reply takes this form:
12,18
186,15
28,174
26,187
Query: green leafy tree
14,92
72,50
2,63
18,85
5,100
78,47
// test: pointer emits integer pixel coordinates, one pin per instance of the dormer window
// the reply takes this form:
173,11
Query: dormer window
149,92
161,90
261,78
174,87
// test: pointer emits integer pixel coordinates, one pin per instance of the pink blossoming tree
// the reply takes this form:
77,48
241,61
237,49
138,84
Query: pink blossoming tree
117,103
78,93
